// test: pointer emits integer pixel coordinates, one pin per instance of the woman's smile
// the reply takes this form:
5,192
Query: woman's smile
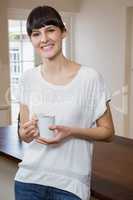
47,47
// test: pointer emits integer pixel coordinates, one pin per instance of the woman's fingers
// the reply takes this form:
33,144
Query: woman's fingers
53,140
34,117
34,132
41,140
29,123
52,127
30,129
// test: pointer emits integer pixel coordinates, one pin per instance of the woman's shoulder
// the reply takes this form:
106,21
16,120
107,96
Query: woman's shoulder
90,73
31,72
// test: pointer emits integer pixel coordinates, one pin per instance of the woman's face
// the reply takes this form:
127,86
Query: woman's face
47,41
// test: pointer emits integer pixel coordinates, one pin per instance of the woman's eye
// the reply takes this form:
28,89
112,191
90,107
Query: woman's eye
51,30
35,34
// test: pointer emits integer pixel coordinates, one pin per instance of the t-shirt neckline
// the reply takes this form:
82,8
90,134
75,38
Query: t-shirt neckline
60,86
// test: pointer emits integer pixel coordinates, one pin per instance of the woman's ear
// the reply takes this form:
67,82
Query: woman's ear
64,34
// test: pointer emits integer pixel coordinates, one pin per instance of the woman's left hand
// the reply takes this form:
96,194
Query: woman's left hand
60,133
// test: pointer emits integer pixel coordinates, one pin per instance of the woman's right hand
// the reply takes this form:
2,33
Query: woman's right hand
29,130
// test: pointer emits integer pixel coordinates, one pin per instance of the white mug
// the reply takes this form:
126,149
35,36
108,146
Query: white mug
43,123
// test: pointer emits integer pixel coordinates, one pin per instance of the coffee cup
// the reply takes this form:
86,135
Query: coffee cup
43,123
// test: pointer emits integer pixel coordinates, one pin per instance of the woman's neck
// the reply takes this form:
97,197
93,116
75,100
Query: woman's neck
56,66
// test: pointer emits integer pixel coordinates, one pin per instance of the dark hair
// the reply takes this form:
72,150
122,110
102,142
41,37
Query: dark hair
42,16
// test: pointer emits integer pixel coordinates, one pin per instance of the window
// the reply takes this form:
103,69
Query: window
21,55
15,61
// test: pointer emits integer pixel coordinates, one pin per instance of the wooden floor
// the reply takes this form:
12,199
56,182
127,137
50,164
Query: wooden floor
8,170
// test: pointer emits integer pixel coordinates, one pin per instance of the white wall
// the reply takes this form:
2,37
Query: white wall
129,71
4,66
100,43
63,5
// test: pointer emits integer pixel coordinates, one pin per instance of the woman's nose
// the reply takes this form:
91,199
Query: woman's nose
44,37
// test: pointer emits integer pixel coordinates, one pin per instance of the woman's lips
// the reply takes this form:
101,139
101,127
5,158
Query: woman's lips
48,47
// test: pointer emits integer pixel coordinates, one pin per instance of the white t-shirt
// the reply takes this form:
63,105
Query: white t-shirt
79,103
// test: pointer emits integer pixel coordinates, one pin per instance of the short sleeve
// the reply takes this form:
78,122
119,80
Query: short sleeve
101,96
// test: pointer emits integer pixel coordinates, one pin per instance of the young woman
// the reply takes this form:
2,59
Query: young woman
59,168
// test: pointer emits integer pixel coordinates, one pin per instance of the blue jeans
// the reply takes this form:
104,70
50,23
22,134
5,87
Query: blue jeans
30,191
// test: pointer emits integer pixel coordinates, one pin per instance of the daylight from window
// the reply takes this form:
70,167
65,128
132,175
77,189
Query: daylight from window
21,56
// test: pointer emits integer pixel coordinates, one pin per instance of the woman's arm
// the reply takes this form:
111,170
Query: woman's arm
24,114
28,128
103,132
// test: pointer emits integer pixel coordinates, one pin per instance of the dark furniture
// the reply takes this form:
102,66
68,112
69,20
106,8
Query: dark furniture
112,174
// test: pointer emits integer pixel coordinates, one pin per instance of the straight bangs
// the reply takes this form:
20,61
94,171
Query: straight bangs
39,23
42,16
